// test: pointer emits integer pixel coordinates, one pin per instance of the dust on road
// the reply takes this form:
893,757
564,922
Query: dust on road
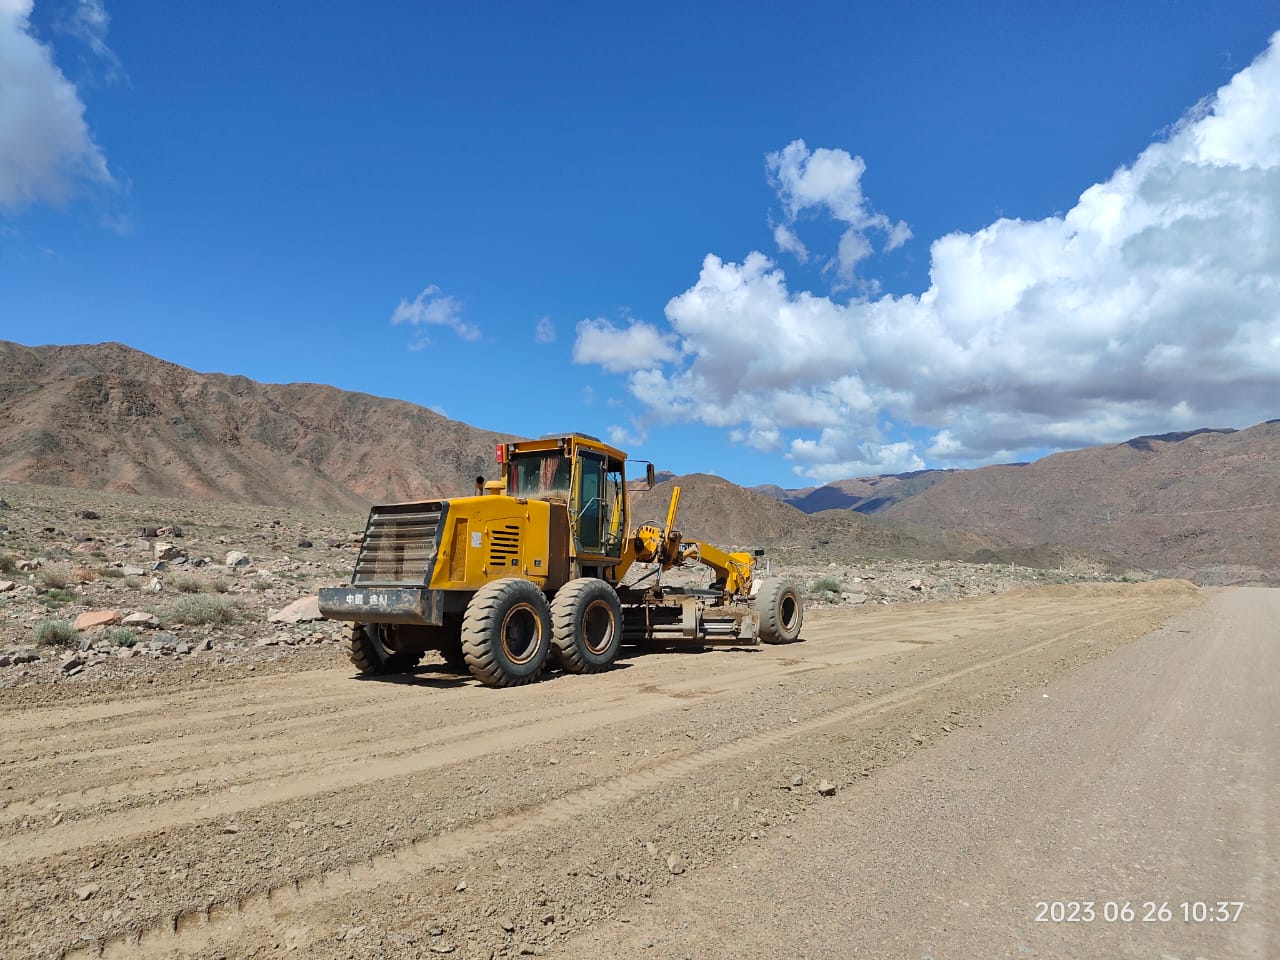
313,814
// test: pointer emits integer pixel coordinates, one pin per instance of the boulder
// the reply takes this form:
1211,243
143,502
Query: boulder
303,610
96,618
164,550
237,558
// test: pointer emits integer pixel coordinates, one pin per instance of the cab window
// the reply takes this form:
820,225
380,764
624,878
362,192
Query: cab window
541,475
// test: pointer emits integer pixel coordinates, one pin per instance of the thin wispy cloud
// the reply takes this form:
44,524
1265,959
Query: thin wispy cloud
432,308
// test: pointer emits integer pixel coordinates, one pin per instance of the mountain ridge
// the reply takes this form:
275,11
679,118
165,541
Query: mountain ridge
1199,503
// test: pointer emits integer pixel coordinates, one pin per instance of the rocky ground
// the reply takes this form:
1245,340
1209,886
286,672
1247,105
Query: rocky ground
96,586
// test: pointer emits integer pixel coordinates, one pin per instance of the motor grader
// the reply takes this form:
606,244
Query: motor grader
530,573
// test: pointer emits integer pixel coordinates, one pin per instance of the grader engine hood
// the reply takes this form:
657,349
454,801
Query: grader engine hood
421,560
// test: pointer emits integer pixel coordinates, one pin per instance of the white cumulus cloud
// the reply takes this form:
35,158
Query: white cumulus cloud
431,308
1152,304
545,331
46,151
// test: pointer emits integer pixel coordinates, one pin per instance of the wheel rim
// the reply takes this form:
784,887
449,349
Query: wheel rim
521,633
598,627
788,610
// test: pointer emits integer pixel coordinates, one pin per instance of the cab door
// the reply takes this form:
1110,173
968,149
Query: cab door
586,507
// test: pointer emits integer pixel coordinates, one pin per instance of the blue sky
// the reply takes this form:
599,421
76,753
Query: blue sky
782,245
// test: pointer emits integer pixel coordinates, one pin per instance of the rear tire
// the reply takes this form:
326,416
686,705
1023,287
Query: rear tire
506,633
586,625
370,646
781,610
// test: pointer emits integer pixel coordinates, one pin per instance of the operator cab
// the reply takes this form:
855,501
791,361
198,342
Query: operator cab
584,474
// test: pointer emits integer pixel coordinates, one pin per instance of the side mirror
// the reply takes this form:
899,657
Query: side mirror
648,475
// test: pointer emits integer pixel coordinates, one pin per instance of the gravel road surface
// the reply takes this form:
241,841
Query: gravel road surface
895,784
1112,814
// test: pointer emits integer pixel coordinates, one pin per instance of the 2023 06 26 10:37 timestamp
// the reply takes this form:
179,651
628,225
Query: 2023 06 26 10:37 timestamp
1141,911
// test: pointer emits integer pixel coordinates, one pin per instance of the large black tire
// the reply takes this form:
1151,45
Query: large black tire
369,648
781,610
506,633
586,625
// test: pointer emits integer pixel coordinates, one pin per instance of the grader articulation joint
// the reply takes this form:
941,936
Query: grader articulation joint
529,573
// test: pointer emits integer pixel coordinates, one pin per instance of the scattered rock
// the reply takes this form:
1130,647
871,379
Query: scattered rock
506,925
462,885
29,565
140,620
87,515
826,788
96,618
304,543
73,666
127,653
797,780
150,533
129,571
237,558
675,864
87,891
7,585
173,530
915,585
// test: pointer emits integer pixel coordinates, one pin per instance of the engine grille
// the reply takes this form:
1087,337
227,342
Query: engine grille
504,545
400,545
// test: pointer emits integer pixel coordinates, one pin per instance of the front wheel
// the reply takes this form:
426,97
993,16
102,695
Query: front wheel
586,625
506,633
781,610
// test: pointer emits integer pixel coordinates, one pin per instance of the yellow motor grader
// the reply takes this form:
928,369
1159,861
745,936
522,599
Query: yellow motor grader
529,574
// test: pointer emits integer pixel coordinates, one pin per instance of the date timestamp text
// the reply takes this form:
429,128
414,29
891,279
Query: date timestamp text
1144,911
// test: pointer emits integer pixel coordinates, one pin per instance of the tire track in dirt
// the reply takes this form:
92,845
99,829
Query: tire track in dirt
221,791
195,928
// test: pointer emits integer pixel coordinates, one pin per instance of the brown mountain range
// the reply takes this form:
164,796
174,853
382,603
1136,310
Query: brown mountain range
1204,503
110,417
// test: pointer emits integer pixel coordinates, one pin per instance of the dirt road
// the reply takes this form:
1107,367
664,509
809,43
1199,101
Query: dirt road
310,814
